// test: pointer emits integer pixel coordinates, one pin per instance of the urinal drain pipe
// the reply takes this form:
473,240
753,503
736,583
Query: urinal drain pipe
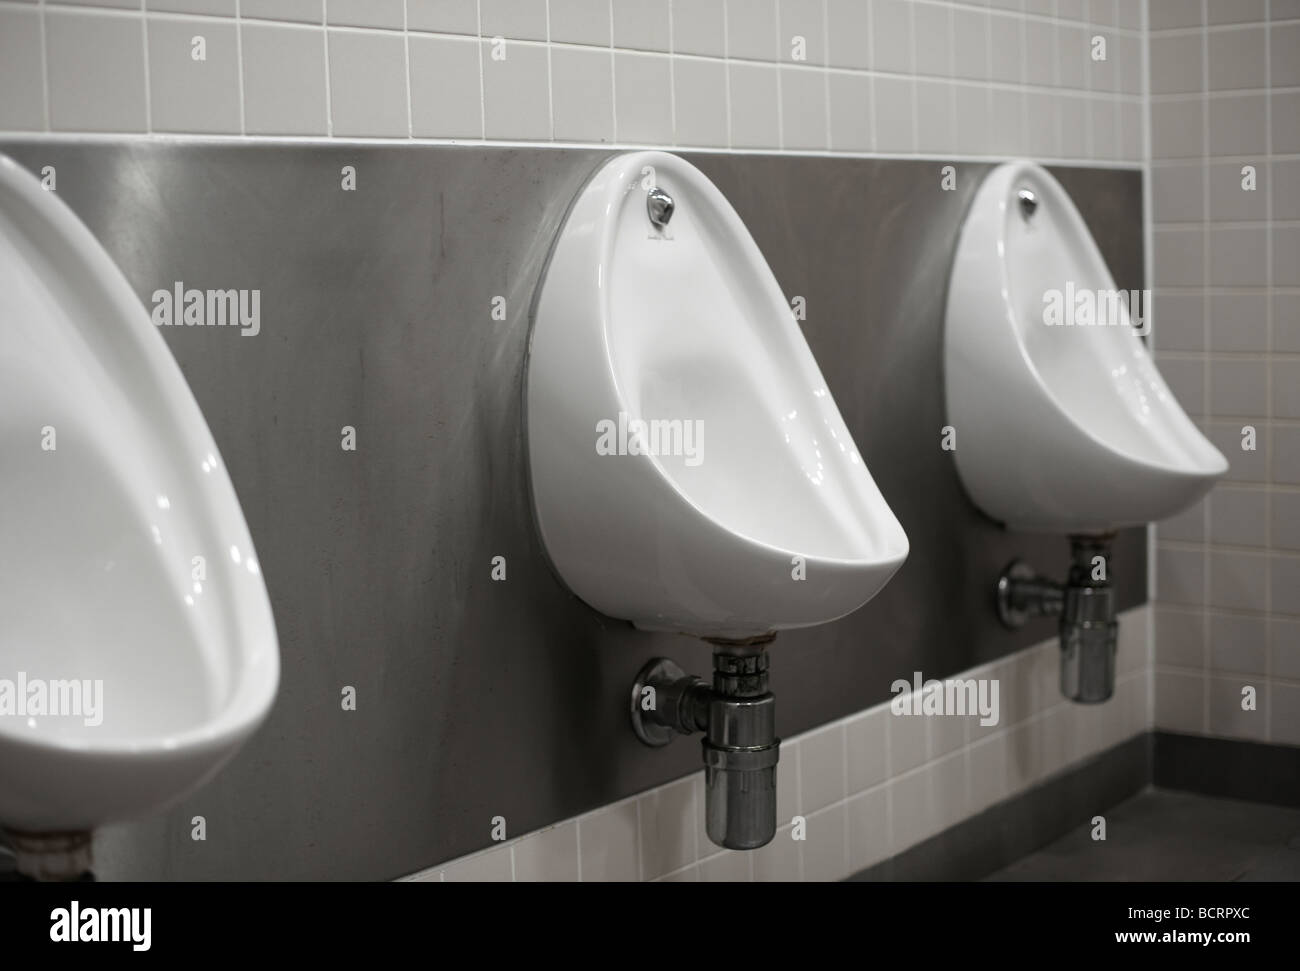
737,715
1085,604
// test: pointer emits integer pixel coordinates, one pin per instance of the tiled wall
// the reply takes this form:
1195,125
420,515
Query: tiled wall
977,78
1225,94
868,787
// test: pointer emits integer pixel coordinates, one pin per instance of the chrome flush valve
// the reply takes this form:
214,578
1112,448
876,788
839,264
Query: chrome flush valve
659,204
738,716
1028,203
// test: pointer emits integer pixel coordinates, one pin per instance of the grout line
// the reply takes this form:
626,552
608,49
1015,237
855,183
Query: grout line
239,63
148,95
726,70
45,66
329,93
406,56
779,64
1266,703
613,74
1207,384
482,85
550,87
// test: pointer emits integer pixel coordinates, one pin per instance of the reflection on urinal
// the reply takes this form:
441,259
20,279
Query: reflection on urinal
138,650
1063,423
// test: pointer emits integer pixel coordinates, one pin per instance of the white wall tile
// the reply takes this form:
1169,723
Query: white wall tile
491,866
699,27
96,72
669,818
516,19
442,16
701,100
305,11
803,109
641,25
580,22
607,841
752,30
850,111
822,768
188,95
582,95
550,855
368,83
22,84
284,80
446,99
643,98
516,92
826,848
366,13
754,122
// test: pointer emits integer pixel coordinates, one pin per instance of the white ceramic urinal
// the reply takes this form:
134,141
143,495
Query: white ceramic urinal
1067,426
690,470
129,670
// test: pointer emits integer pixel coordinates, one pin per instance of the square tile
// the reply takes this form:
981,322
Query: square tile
801,31
643,98
1180,702
1238,581
1233,712
850,110
821,768
549,856
366,13
1180,638
1238,387
512,19
302,11
368,84
641,25
96,72
868,823
849,33
1237,124
1237,58
1238,322
701,100
446,99
754,122
1238,643
803,109
891,36
582,94
826,847
669,819
516,102
580,22
284,80
607,841
22,105
188,94
752,30
699,27
490,866
441,16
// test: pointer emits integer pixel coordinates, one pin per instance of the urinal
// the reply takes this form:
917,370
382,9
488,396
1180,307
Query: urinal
690,470
138,649
1063,423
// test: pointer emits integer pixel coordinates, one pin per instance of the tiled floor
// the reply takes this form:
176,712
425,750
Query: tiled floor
1163,835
